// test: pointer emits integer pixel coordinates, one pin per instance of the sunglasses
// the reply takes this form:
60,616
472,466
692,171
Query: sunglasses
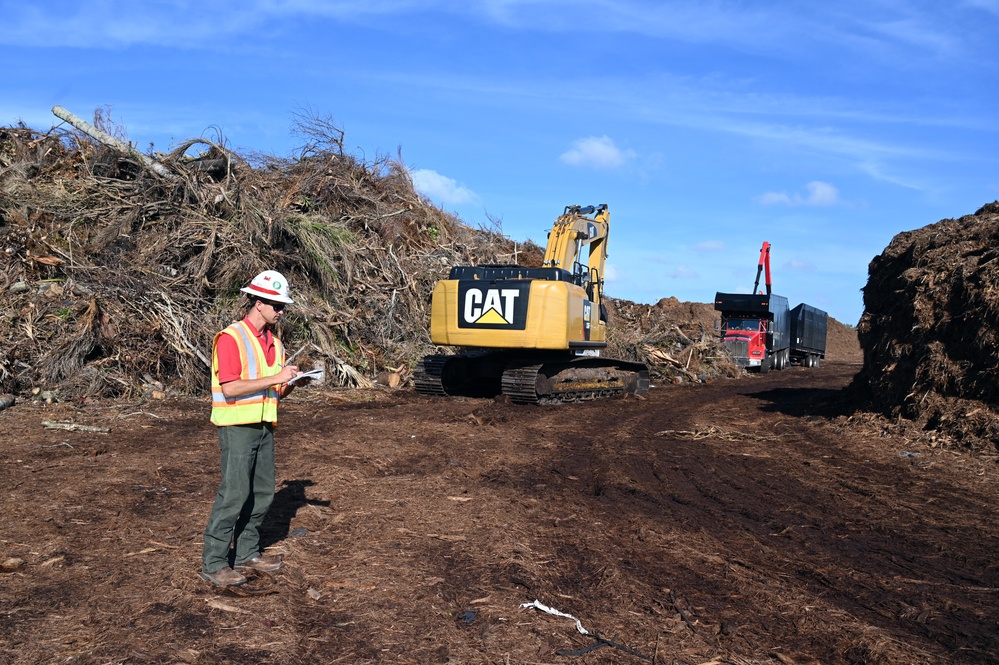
278,306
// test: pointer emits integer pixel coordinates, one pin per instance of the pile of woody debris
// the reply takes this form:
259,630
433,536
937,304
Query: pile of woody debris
120,266
928,334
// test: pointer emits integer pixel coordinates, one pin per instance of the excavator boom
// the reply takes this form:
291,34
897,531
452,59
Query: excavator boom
571,233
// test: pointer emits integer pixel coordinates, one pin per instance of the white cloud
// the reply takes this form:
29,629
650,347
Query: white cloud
818,194
991,6
801,265
598,152
113,23
736,25
440,188
710,246
774,198
683,272
821,194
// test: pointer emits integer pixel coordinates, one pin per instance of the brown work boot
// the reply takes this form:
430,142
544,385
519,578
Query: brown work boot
265,563
224,577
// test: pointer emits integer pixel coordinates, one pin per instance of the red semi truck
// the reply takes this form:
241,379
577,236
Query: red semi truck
762,333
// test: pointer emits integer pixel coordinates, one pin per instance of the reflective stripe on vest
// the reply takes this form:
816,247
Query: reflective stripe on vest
258,407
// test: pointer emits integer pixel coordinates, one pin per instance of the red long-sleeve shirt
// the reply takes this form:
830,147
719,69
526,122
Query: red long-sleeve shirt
230,367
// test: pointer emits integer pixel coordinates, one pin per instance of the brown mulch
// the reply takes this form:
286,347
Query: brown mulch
931,350
725,522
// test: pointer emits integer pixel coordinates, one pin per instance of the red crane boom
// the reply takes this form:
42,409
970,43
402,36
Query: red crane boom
764,263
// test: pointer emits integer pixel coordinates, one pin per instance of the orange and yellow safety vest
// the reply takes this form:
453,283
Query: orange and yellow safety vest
258,407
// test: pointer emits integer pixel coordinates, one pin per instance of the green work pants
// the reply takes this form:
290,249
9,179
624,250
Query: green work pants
244,496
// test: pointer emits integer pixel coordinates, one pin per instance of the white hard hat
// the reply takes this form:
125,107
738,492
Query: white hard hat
269,285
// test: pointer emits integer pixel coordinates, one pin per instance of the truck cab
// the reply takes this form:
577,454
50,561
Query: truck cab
755,329
746,339
754,326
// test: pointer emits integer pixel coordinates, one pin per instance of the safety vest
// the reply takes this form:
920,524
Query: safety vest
258,407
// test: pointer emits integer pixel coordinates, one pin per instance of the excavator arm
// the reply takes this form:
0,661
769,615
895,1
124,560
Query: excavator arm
571,233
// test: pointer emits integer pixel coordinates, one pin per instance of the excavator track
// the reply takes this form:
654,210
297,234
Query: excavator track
529,380
578,380
429,374
520,384
475,374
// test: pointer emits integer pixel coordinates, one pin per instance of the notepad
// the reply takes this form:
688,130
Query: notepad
314,374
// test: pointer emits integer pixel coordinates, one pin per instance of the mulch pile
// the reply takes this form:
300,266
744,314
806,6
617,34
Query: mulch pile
116,275
930,344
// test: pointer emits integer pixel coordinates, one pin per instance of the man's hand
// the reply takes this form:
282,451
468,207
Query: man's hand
241,387
287,373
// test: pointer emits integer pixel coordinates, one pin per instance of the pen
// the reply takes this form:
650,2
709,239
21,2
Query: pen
293,356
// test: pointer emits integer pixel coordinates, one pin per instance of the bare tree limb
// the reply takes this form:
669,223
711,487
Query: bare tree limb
111,141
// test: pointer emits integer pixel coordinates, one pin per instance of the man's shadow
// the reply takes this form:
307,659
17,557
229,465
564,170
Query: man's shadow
287,501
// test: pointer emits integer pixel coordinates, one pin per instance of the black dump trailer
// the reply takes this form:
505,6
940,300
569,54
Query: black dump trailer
808,335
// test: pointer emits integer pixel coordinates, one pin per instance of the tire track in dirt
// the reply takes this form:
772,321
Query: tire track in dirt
737,521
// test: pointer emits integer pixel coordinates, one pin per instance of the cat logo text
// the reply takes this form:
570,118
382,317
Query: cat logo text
499,305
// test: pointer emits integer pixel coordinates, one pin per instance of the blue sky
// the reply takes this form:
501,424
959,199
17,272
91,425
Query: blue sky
707,126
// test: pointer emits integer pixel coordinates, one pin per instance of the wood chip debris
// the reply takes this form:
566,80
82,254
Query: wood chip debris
225,607
712,432
75,427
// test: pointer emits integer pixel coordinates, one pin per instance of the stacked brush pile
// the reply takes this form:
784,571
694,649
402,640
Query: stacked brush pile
119,267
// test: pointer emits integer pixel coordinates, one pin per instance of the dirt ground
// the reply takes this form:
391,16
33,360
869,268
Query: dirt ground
740,522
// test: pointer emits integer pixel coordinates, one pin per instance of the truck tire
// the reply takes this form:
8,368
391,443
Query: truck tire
765,364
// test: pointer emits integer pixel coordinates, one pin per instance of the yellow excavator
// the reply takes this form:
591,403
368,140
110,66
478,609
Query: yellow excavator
534,334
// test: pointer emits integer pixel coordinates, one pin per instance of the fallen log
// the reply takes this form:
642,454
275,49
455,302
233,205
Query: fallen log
112,142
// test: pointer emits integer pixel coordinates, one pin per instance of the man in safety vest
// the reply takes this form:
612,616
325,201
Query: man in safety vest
249,377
